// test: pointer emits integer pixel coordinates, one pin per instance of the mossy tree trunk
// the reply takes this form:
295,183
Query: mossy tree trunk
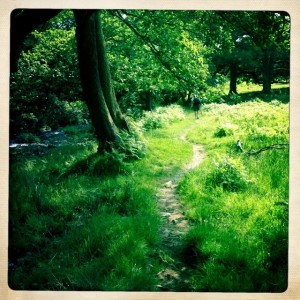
96,79
105,78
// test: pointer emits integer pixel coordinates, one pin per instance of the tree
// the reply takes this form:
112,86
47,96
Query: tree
173,57
141,80
96,79
45,90
94,68
269,32
24,22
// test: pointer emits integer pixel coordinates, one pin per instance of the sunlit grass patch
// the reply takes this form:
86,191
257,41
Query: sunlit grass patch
237,202
246,88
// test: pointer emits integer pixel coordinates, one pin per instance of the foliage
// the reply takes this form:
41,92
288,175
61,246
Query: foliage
76,113
73,207
166,61
214,94
131,144
46,81
233,98
225,130
161,117
167,54
238,203
84,221
228,174
256,46
27,137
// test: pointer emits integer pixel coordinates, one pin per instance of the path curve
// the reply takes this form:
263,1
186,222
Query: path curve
174,226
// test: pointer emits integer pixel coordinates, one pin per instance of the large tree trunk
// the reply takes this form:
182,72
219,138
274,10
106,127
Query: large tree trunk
95,74
267,69
233,79
105,78
88,57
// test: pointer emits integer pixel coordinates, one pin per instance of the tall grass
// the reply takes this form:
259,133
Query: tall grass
83,221
238,202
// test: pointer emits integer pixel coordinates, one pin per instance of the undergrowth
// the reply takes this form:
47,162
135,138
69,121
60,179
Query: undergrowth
83,221
238,202
162,116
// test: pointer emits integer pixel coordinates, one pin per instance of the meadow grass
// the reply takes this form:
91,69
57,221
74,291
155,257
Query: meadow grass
238,203
251,87
246,92
83,221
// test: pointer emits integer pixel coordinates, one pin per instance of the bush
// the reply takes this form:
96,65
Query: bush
46,80
213,95
227,174
162,116
233,98
76,112
28,137
226,129
131,145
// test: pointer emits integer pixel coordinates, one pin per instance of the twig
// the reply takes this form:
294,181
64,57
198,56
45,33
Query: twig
275,146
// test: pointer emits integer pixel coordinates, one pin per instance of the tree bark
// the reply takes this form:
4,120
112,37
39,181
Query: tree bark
105,78
233,79
267,69
88,57
147,95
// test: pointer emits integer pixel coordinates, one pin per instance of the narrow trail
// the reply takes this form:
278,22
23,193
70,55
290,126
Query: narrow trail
174,276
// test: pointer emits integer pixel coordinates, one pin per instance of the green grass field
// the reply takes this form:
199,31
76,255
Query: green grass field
238,202
80,221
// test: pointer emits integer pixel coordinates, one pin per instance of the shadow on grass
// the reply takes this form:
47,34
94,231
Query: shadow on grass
97,165
280,94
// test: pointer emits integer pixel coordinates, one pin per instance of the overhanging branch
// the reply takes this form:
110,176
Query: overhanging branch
157,54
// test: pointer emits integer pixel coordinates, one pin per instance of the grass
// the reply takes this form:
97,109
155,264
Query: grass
247,88
238,202
280,91
80,221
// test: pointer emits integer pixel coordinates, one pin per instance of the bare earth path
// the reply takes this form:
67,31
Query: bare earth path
175,225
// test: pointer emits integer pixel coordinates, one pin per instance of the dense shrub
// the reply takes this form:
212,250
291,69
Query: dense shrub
162,116
228,174
226,129
130,145
46,82
26,137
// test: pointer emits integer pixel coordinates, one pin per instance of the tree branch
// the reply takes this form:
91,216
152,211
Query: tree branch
157,54
275,146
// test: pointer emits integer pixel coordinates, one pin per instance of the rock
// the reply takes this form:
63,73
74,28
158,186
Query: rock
165,214
168,184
